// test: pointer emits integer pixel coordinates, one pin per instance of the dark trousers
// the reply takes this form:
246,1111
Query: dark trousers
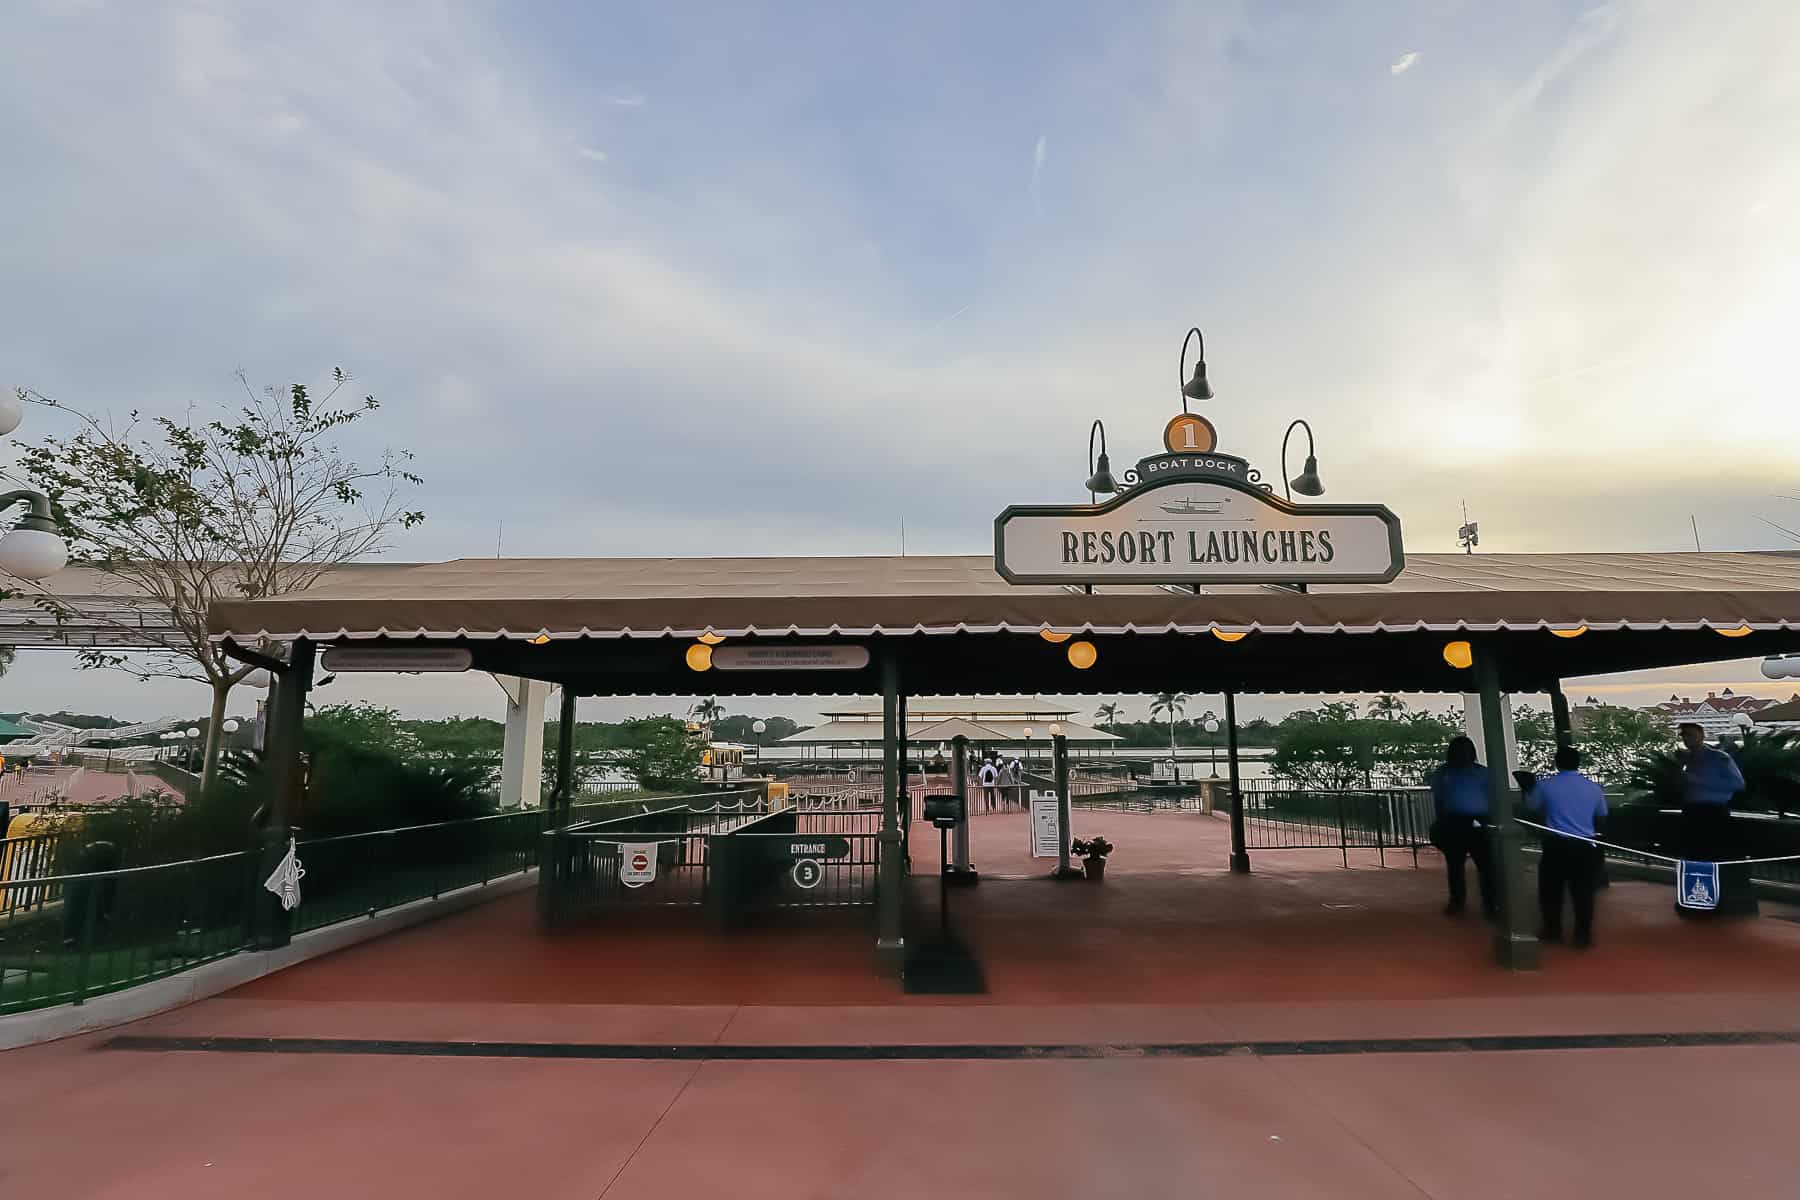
1708,835
1567,866
1461,839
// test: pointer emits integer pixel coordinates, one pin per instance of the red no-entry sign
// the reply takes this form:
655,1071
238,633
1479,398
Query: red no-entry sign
638,864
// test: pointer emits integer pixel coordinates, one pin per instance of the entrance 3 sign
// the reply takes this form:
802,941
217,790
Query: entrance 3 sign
1189,530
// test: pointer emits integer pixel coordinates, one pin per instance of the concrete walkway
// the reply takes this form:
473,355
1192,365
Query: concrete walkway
1303,949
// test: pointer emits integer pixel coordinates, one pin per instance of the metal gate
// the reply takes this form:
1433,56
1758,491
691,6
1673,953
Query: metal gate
1379,819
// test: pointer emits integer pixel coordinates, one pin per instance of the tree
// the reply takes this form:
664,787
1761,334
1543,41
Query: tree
658,750
1332,747
1387,707
1172,703
1613,740
1107,715
707,711
248,503
364,724
6,659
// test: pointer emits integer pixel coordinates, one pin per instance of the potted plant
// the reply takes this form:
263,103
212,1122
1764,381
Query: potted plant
1092,851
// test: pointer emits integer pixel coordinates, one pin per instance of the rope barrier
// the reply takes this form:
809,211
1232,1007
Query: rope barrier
1735,862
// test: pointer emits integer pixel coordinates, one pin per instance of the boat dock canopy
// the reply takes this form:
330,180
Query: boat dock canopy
959,627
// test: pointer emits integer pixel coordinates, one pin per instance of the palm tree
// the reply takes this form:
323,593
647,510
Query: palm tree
1387,707
708,711
1172,703
1107,715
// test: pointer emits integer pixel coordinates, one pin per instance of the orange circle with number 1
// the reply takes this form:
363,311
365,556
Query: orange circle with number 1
1190,434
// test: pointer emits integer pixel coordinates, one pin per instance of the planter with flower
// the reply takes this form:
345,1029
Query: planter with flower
1092,852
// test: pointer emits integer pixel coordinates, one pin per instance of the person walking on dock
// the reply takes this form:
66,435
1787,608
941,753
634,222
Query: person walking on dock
1459,796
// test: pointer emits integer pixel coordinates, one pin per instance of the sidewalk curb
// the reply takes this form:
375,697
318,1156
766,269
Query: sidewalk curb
161,995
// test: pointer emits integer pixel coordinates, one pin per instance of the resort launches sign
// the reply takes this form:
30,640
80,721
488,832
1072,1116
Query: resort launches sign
1197,519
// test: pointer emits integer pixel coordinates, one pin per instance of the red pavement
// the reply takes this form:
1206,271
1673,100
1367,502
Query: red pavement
1300,949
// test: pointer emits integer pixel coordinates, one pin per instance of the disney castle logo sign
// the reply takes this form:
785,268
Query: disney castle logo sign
1194,519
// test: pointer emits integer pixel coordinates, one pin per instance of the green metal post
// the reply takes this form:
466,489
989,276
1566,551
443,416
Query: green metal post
553,870
1059,758
959,783
564,794
890,944
1240,857
1559,715
1515,944
285,763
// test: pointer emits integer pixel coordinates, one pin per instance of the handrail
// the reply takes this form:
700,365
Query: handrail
44,880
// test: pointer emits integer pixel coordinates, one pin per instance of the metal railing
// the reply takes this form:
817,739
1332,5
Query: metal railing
1278,817
841,874
584,859
79,935
66,937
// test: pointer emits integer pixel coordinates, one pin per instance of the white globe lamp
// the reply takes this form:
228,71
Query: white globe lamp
231,725
33,549
12,411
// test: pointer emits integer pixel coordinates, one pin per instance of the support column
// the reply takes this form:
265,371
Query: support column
1515,944
522,756
1240,856
959,783
287,773
905,779
1059,757
1559,715
563,794
890,942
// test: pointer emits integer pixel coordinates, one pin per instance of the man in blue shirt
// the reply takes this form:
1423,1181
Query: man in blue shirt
1459,796
1571,803
1710,781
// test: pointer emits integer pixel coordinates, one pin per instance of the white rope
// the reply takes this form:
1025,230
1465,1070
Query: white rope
1595,841
1732,862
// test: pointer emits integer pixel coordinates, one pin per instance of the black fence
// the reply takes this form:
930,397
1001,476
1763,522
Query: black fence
828,860
1278,817
732,859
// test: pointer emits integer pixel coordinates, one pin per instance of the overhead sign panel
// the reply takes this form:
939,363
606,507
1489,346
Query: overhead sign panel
790,658
398,658
1197,519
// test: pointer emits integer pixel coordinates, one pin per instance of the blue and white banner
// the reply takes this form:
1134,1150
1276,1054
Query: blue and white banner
1697,885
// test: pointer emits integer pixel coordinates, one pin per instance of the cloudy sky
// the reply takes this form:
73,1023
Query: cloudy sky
684,278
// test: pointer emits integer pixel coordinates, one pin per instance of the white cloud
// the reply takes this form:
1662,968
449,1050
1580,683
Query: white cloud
1403,63
627,100
591,154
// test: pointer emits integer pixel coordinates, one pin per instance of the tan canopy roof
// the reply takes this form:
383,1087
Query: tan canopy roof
631,597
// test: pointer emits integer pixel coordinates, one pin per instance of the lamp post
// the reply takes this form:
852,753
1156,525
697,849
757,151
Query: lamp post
1196,388
1307,483
1100,477
32,549
759,728
1212,746
1744,723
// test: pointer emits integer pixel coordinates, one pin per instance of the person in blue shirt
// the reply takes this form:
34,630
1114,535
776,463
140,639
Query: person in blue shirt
1710,779
1571,804
1459,797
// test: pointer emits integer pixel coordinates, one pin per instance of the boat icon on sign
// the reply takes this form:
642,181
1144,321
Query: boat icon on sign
1193,508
